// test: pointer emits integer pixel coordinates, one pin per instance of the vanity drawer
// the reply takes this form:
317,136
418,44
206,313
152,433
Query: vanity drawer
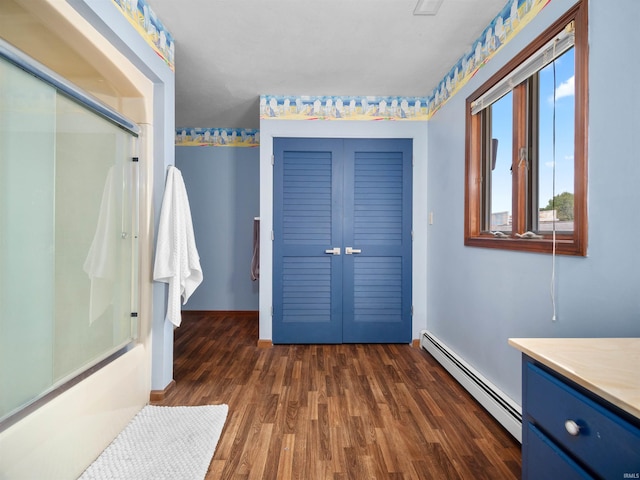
606,442
546,460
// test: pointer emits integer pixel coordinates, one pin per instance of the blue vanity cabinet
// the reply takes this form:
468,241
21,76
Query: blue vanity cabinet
568,432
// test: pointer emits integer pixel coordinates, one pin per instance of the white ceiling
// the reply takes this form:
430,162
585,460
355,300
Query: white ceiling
229,52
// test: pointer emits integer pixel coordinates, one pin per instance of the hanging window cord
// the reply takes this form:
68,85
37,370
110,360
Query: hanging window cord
553,199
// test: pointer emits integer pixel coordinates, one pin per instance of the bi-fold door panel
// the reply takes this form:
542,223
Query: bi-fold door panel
342,241
306,291
377,213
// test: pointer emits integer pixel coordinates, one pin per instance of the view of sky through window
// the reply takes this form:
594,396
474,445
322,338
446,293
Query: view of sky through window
564,136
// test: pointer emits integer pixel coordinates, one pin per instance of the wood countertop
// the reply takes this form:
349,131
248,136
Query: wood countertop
609,367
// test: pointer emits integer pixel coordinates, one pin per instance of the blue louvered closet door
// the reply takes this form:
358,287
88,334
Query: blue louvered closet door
342,241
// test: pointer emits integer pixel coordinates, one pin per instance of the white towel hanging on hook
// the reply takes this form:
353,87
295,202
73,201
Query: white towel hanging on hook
177,261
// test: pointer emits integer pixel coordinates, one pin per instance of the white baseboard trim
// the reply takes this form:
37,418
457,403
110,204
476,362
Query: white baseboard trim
495,401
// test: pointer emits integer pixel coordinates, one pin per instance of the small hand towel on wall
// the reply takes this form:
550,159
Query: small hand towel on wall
177,261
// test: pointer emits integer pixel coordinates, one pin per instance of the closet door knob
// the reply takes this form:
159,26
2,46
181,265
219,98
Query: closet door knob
333,251
350,250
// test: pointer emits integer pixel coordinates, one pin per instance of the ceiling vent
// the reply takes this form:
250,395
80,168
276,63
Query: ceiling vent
427,7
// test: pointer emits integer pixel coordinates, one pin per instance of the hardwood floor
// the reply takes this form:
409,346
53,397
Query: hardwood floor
333,411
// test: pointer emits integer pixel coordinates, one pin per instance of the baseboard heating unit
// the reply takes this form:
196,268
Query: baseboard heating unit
499,405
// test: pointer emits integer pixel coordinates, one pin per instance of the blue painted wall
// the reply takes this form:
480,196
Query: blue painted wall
478,298
223,188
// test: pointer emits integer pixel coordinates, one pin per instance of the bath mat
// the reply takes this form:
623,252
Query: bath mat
162,443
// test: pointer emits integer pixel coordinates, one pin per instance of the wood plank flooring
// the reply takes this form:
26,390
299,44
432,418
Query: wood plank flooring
333,411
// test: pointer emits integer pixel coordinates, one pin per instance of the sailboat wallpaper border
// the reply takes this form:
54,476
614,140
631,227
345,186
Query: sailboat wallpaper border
217,137
150,28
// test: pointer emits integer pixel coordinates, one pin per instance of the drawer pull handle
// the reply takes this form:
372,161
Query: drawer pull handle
572,428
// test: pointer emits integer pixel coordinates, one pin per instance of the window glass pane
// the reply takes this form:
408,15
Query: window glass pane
562,209
500,170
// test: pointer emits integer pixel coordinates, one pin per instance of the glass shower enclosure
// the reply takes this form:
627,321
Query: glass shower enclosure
68,237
